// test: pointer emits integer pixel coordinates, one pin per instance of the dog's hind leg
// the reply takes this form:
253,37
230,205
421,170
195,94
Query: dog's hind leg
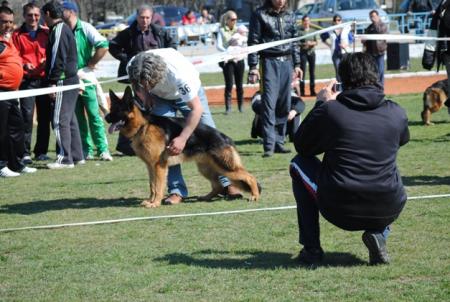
245,181
208,173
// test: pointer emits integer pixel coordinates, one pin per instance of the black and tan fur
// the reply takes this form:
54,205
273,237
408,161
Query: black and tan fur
434,98
213,151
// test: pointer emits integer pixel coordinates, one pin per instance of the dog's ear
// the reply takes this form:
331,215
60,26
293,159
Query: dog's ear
128,94
112,96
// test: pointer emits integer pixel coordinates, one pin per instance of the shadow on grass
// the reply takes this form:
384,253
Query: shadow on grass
33,207
250,141
255,260
420,123
425,180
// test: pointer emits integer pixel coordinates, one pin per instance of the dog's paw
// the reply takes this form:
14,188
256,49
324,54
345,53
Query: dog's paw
150,204
253,198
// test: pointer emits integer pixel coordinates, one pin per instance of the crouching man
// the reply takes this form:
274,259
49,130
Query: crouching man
357,186
167,82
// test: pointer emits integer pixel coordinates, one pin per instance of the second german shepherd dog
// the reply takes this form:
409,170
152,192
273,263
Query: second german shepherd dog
434,98
213,151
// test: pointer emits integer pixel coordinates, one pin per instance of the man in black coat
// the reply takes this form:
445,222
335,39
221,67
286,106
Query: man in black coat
357,186
140,36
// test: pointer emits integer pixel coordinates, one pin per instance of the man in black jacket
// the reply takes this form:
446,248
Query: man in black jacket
61,69
357,186
273,22
140,36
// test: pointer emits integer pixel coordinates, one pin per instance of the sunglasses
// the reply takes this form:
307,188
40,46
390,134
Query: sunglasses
233,19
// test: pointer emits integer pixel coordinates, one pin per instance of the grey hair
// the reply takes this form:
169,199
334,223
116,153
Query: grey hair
142,8
147,68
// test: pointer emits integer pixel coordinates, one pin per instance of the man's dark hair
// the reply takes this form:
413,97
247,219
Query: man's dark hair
337,16
54,8
304,17
28,6
6,10
374,11
358,69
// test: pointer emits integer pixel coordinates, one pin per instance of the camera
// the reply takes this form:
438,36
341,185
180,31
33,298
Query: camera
337,87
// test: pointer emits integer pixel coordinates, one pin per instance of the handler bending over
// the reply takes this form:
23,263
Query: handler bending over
167,82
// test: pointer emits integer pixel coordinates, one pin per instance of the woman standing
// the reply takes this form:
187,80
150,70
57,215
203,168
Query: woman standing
230,36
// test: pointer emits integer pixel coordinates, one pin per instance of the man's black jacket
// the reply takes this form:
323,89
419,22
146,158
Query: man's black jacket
125,45
360,134
266,25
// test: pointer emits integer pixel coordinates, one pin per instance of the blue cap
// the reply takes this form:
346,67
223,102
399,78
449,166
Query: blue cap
70,6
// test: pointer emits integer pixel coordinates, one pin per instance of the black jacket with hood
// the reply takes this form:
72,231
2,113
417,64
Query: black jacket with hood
360,133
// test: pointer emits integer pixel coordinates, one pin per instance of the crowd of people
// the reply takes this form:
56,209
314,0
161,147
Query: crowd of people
356,186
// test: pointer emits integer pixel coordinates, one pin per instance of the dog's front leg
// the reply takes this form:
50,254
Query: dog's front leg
148,203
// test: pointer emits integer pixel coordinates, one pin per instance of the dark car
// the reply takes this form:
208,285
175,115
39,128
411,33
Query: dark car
171,14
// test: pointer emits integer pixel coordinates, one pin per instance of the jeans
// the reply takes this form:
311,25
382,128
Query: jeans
304,172
380,66
169,108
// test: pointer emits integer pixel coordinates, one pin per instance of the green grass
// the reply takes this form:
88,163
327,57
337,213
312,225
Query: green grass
322,72
242,257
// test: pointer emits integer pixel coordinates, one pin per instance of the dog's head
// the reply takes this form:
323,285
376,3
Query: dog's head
121,110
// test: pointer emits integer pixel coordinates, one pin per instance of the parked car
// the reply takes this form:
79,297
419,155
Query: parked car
171,14
310,9
349,10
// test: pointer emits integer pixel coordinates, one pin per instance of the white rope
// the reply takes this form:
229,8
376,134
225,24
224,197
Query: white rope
55,226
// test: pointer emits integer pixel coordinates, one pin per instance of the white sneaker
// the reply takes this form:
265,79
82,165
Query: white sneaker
28,170
80,162
106,156
57,165
89,157
6,172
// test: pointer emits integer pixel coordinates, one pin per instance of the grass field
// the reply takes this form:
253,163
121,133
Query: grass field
240,257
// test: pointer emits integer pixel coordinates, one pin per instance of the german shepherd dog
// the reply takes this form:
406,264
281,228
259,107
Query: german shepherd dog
213,151
434,98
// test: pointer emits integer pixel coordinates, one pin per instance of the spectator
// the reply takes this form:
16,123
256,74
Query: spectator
140,36
357,186
420,6
61,70
376,48
31,40
157,19
293,120
277,65
188,18
206,17
307,55
232,69
11,122
167,82
338,42
91,48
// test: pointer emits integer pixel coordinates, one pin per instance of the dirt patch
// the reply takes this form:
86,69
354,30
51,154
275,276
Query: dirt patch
393,86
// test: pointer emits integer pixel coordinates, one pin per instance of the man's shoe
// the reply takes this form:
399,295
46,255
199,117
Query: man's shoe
282,150
6,172
42,157
28,170
106,156
26,160
231,193
89,157
313,93
80,162
376,244
267,154
173,199
310,256
57,165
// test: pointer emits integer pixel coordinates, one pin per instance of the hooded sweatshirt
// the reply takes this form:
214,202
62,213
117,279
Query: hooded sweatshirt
360,134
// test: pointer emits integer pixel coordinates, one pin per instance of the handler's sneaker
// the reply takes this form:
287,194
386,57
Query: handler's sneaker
57,165
106,156
28,170
376,244
6,172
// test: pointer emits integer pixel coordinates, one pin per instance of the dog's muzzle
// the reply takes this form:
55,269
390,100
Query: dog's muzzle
115,126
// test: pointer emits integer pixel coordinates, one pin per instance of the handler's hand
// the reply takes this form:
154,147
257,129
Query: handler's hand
327,94
176,146
52,95
253,76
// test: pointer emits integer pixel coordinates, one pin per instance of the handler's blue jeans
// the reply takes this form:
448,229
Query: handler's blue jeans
304,172
169,108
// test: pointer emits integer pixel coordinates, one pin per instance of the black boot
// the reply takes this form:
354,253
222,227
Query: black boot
240,98
227,103
312,90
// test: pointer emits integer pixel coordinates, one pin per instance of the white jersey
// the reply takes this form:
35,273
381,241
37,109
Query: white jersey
182,79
